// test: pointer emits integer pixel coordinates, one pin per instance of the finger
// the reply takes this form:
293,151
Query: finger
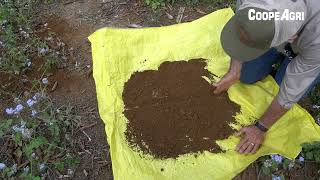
219,89
255,148
241,143
215,84
219,86
249,148
215,87
244,147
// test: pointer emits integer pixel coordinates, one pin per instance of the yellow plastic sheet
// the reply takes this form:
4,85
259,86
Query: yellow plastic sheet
117,53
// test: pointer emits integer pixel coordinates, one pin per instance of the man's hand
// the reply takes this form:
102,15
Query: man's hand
251,139
230,78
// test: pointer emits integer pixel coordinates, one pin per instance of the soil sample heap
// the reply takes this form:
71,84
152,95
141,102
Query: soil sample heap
173,111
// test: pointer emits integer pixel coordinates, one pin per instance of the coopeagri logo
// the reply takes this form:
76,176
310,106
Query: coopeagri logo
286,15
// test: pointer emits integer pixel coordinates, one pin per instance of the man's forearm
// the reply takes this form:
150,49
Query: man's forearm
235,66
272,114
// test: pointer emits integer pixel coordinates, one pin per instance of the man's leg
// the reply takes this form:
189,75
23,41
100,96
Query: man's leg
289,54
282,70
257,69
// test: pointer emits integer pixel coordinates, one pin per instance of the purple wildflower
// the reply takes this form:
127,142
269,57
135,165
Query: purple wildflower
277,158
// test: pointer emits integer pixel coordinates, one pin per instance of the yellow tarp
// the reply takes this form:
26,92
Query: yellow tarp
117,53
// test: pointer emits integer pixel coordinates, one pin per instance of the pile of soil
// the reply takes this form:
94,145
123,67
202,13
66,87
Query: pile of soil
173,111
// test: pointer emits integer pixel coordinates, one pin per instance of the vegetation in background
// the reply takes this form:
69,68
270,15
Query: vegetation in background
35,134
217,3
18,42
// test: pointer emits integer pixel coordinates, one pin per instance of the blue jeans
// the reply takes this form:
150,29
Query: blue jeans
257,69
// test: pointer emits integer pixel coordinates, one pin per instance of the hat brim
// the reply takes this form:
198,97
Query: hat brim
234,47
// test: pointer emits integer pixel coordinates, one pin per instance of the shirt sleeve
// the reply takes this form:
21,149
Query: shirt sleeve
300,74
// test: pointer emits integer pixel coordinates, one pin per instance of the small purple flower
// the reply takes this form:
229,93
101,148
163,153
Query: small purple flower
45,80
315,106
301,159
42,166
10,111
43,51
29,63
277,158
2,166
18,109
33,113
26,169
31,102
274,177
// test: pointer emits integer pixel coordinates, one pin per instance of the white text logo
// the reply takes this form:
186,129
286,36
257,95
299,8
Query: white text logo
287,15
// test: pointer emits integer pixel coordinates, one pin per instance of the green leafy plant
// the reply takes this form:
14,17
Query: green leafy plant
156,3
311,151
4,127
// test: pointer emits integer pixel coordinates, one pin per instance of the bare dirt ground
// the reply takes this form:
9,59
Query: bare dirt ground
73,21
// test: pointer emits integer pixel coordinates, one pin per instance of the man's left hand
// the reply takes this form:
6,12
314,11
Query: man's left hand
251,139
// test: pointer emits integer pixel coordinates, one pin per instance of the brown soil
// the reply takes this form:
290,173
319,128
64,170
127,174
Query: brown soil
173,111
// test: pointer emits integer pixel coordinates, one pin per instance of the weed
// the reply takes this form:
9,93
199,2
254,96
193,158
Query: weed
311,151
278,166
18,42
35,134
157,3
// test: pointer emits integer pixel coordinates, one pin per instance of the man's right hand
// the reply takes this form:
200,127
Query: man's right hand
230,78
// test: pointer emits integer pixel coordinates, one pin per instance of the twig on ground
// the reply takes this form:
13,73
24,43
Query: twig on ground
54,87
90,72
23,164
169,16
200,11
86,135
88,126
134,26
180,14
